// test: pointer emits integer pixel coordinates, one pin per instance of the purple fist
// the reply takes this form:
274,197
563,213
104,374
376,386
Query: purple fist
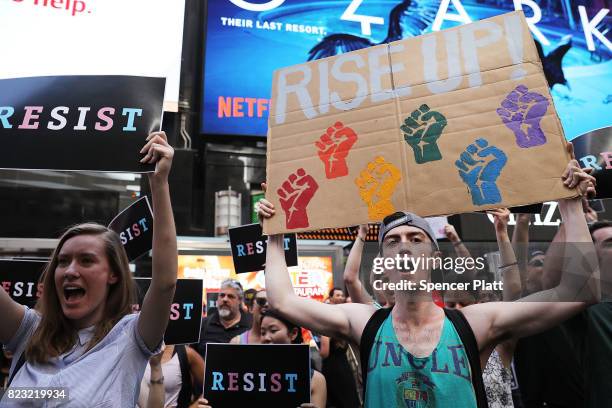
522,112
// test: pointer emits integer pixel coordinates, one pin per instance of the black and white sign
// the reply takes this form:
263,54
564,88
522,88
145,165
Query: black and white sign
135,228
594,150
185,311
78,122
249,248
257,375
19,278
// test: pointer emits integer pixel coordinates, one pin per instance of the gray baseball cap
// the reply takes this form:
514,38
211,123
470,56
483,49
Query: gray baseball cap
404,218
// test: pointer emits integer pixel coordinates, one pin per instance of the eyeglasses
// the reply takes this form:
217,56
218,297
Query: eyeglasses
261,301
536,263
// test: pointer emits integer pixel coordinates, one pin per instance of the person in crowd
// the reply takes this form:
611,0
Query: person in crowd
179,370
156,397
253,335
458,299
249,296
458,245
589,334
497,373
547,368
82,336
336,296
535,269
351,270
589,213
5,366
227,321
354,287
337,369
277,330
410,350
530,260
382,298
520,243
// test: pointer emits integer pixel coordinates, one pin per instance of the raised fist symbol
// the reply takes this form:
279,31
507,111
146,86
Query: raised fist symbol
479,167
334,146
521,111
295,193
421,131
376,186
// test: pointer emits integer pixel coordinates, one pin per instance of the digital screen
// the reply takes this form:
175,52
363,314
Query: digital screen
312,278
247,40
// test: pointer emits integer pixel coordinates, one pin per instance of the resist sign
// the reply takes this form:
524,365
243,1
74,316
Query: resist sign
258,375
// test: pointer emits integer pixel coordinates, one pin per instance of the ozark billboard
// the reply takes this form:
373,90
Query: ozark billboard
247,40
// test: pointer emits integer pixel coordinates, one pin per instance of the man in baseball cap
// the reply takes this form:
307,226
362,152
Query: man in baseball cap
414,354
405,218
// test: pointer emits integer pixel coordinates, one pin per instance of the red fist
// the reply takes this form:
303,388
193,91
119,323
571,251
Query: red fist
295,194
333,147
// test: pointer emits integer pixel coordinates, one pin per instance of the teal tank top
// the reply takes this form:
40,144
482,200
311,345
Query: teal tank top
396,378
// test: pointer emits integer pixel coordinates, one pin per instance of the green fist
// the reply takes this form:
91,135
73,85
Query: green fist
421,131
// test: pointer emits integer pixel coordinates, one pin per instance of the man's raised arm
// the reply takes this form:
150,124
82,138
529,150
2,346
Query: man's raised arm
351,271
330,320
495,322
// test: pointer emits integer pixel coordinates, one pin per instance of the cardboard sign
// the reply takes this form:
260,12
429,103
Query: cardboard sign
249,248
449,122
594,150
78,122
185,311
135,228
20,280
273,375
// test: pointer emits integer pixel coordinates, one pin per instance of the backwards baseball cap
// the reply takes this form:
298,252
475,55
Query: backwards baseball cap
535,253
404,218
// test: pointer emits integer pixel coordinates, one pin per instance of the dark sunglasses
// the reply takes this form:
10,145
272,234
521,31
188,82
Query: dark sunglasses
261,301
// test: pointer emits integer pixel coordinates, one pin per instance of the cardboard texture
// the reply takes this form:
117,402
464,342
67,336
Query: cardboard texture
453,121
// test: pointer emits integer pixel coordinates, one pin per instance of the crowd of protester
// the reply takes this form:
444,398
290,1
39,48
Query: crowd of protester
539,342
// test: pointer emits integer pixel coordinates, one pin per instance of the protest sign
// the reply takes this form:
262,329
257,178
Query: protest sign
594,150
257,375
597,205
437,225
449,122
19,278
78,122
135,228
249,248
211,301
185,311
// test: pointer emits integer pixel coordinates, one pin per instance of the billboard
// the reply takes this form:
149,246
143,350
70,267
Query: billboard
313,277
94,37
247,40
